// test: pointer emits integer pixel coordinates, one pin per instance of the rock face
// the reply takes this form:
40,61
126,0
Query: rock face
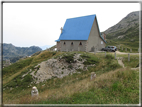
127,22
57,68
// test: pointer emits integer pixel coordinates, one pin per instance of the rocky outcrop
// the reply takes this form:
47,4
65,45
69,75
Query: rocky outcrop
58,68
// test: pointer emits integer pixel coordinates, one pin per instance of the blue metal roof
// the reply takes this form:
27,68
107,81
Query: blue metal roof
77,28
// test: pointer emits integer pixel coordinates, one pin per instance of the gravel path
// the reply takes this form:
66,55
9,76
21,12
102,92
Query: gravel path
117,52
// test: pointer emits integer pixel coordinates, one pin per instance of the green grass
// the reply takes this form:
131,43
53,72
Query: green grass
89,59
13,73
133,63
112,83
15,67
134,60
121,89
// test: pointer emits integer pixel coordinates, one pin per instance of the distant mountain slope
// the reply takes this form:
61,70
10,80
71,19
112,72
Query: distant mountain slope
131,20
126,32
45,47
11,51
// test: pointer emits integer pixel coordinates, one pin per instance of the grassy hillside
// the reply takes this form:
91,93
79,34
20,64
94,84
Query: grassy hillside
113,84
130,40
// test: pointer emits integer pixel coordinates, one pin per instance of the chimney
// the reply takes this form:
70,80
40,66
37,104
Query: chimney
61,29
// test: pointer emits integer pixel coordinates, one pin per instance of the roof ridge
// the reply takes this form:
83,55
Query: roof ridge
82,16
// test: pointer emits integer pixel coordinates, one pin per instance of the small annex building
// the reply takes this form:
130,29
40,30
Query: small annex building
81,34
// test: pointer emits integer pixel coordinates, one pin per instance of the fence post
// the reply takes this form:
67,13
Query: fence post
125,49
130,50
105,53
122,48
115,55
128,56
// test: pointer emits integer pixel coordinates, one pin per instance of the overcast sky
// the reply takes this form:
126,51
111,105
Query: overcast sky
28,24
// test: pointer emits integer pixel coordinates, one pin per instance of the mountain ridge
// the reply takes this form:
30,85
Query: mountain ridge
128,21
11,51
125,33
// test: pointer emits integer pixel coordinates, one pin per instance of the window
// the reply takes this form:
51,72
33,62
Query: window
71,43
64,43
80,43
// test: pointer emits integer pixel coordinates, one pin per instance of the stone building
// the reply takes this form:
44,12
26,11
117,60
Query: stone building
80,34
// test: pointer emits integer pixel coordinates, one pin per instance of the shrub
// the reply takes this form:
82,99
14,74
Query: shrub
69,58
70,66
79,59
38,67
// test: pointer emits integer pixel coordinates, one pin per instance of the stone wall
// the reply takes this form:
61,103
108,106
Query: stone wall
68,45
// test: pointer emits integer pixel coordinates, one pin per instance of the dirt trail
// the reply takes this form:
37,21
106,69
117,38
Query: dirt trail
118,52
120,61
122,64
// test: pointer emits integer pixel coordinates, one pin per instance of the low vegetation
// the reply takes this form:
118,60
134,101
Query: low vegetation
15,67
113,84
89,59
110,88
68,58
130,39
133,63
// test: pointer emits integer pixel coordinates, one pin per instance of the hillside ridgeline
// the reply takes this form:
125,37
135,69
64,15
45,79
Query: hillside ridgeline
125,33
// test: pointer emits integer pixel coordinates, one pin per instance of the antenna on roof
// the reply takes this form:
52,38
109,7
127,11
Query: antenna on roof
61,29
